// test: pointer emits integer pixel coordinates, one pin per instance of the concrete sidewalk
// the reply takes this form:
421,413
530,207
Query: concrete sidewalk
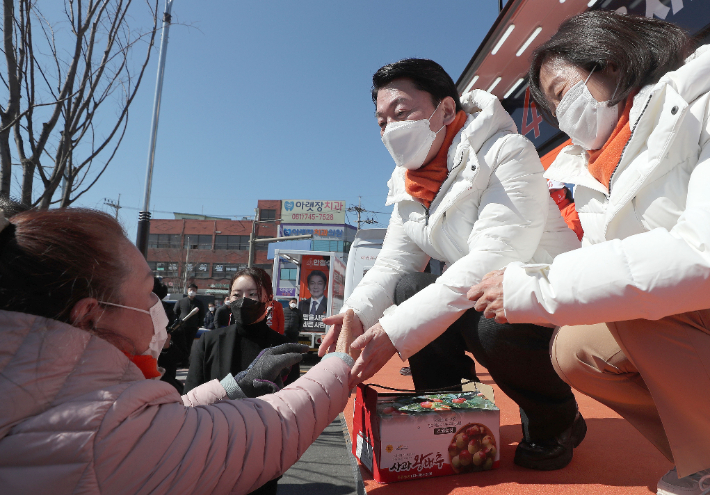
327,468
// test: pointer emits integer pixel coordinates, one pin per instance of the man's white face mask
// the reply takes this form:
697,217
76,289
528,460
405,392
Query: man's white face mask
409,141
588,122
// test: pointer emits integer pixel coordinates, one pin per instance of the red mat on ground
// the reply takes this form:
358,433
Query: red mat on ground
613,459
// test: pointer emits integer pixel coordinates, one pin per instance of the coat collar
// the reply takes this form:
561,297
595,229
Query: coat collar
486,117
687,83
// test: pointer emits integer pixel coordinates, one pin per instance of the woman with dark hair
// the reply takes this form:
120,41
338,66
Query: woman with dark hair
632,303
228,351
80,330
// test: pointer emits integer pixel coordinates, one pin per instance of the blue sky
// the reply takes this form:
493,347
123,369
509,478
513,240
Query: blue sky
270,100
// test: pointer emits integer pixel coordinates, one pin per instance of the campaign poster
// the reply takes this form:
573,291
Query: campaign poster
314,291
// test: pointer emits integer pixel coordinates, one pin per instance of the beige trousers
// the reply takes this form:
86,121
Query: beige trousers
655,374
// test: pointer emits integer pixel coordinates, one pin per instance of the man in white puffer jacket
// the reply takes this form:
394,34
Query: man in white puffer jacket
485,206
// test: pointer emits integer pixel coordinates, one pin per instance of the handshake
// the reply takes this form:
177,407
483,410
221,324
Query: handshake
265,375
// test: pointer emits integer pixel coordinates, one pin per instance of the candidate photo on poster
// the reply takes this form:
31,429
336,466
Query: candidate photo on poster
317,304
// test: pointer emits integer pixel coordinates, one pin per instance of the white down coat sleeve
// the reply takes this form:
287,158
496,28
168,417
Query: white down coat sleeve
511,219
399,256
650,275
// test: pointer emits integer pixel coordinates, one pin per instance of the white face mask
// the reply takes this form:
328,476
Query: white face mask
292,305
588,122
160,322
191,293
409,141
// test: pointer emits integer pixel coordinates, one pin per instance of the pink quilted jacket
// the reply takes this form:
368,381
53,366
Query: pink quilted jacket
77,417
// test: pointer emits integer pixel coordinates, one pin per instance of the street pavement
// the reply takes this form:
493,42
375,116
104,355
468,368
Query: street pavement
328,466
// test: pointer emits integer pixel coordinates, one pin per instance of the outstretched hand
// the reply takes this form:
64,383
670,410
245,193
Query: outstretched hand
488,295
346,337
266,373
336,321
377,349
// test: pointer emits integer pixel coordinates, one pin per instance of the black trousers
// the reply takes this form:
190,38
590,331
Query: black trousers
516,356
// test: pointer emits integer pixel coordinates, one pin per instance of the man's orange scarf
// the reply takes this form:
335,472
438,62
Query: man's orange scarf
424,183
603,162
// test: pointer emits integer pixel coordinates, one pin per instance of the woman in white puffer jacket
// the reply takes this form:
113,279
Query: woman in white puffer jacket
639,289
475,199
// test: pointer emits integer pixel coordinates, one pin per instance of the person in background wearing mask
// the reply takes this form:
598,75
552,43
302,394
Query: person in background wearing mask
222,314
467,190
228,351
185,335
209,317
293,318
171,355
633,94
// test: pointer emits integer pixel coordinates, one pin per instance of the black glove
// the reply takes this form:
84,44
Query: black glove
266,373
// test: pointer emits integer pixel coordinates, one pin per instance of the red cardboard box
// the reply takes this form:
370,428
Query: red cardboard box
399,436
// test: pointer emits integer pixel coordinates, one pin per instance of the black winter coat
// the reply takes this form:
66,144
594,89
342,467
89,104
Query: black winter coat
293,323
231,350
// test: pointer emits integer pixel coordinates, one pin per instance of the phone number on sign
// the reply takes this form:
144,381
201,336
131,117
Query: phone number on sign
312,216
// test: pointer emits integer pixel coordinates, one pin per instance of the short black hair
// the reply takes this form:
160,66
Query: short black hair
192,286
293,299
643,49
317,273
426,75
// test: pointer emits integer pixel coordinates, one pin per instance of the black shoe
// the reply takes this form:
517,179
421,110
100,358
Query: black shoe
552,454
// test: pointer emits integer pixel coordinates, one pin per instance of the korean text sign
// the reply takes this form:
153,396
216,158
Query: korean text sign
309,211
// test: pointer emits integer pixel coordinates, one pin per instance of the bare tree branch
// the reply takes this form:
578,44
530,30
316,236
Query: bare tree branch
60,83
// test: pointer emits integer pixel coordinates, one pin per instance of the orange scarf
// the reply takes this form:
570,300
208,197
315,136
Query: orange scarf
604,161
147,364
423,183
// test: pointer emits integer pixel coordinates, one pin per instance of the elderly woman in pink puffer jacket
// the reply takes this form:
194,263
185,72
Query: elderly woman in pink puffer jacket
79,333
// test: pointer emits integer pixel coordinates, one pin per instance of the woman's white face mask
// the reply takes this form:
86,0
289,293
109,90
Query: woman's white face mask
409,141
588,122
160,323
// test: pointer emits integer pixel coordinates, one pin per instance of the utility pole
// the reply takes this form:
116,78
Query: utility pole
253,241
116,206
252,238
184,269
360,210
144,216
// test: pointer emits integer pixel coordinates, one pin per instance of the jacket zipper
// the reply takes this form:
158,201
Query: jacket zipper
611,178
426,208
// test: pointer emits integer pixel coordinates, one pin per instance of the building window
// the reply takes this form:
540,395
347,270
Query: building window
226,270
267,215
202,270
325,245
232,242
164,241
166,269
289,274
193,241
